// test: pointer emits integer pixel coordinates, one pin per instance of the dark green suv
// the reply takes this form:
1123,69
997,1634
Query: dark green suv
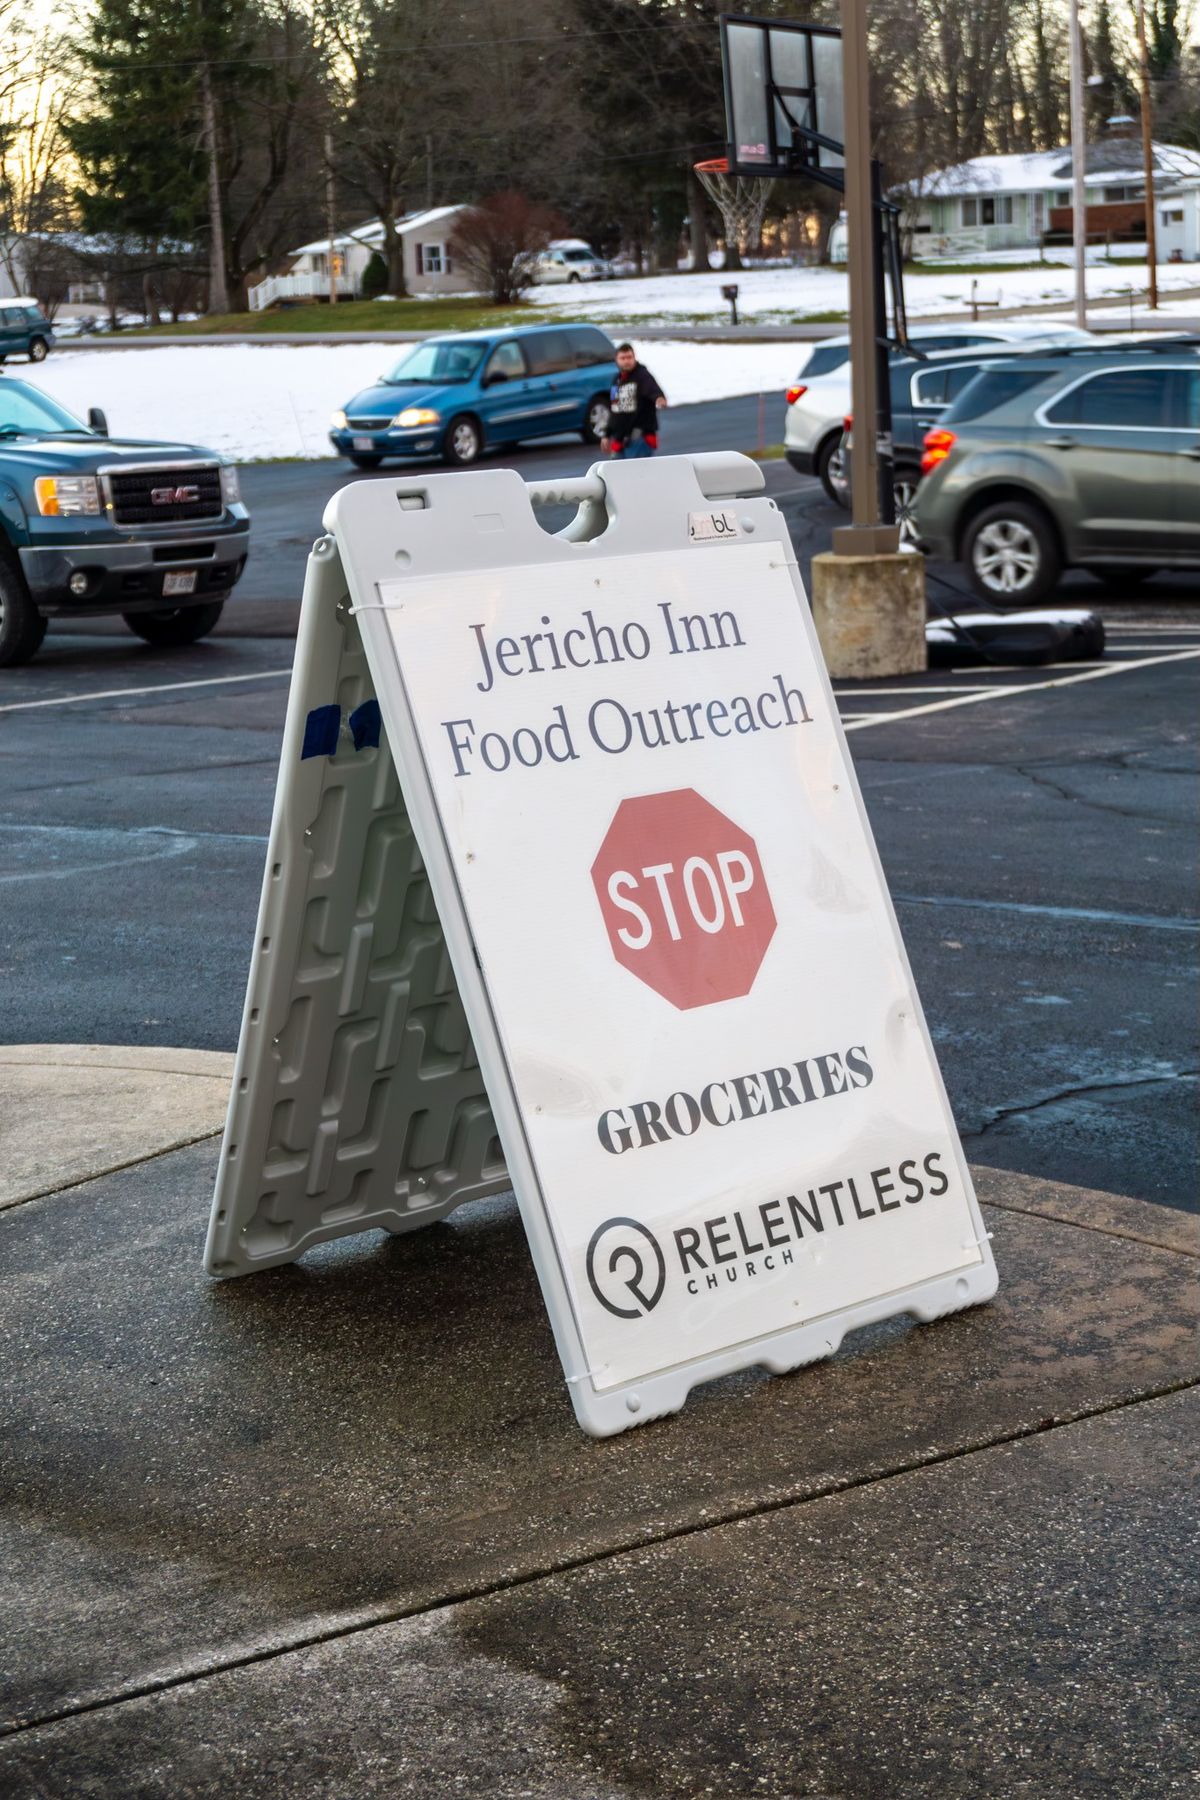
24,330
1075,457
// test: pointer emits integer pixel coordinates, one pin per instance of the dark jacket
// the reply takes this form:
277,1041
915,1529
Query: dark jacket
633,404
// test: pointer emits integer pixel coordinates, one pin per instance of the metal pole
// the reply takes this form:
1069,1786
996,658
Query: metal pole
883,362
329,213
866,536
1078,167
1148,155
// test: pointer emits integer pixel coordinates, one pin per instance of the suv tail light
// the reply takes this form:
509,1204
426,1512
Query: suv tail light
938,445
794,393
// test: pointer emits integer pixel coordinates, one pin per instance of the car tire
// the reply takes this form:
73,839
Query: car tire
904,495
829,469
596,416
22,626
463,443
38,349
366,462
572,279
1114,575
1011,553
181,625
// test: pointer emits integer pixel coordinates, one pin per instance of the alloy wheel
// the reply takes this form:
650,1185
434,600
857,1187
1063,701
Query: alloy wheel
839,478
465,442
1006,556
904,490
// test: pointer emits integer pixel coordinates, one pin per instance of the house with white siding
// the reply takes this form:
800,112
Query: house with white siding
1011,202
428,264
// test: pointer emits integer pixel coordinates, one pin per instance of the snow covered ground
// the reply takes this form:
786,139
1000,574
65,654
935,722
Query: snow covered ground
253,401
780,295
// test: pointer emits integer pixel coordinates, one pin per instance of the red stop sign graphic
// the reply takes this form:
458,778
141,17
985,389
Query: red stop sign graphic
684,898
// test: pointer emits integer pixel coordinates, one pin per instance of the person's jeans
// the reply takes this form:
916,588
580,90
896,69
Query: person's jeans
635,447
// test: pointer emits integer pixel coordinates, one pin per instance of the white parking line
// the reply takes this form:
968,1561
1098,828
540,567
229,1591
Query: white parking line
1017,693
870,693
166,687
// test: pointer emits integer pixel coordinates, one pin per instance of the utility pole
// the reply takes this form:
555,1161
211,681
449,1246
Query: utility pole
1078,167
1148,155
329,214
218,284
866,536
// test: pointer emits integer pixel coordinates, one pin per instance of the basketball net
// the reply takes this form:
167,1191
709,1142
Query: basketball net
741,200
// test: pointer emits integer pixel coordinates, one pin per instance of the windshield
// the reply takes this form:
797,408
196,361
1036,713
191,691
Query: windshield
440,360
23,409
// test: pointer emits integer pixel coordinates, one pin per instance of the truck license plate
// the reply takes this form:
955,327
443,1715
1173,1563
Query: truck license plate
364,443
182,581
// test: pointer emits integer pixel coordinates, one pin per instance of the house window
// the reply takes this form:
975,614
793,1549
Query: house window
433,258
970,211
1173,218
996,210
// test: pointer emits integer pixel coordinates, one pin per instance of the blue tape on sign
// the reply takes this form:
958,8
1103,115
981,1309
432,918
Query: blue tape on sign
366,725
321,730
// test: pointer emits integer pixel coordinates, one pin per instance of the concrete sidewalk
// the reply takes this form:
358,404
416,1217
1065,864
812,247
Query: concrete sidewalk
333,1530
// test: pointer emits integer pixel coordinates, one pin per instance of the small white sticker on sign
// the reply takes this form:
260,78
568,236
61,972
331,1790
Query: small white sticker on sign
704,527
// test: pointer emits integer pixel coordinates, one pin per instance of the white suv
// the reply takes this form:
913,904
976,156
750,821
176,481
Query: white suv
570,260
819,399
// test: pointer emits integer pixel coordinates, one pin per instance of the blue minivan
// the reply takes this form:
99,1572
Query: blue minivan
456,397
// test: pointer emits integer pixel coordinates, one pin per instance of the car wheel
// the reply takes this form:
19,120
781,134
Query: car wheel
572,278
1011,553
37,349
22,626
595,419
181,625
1114,575
904,493
365,462
464,441
832,472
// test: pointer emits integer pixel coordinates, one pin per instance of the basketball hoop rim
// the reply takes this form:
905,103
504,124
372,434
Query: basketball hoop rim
714,165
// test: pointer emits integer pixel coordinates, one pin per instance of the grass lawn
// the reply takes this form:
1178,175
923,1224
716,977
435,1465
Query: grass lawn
451,314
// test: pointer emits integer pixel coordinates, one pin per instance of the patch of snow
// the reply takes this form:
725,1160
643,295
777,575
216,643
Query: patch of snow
784,294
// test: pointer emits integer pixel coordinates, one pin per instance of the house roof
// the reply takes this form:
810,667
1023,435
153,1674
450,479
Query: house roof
372,232
1117,159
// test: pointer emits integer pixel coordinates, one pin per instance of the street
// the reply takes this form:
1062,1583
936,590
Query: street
1035,825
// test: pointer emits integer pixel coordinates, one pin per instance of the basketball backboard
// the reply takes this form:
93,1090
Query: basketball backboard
783,96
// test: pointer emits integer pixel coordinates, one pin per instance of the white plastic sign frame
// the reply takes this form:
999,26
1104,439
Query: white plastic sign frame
853,1202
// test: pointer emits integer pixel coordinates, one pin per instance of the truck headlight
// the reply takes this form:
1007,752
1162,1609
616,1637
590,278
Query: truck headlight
231,491
339,421
66,496
417,415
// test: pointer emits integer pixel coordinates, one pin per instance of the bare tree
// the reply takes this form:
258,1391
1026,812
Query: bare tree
33,101
498,241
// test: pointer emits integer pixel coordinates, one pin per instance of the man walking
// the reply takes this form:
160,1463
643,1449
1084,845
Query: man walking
634,403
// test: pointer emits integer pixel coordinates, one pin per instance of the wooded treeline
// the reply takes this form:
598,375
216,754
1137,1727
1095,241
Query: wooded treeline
200,138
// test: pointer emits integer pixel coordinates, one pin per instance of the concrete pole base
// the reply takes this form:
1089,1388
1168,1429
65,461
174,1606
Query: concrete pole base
869,612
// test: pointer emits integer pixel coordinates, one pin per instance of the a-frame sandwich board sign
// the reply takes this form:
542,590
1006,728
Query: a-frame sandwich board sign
570,888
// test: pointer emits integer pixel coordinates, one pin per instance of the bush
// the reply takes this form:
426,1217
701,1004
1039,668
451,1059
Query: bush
375,278
497,241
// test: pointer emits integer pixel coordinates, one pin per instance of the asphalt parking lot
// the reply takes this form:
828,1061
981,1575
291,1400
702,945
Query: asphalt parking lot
1037,828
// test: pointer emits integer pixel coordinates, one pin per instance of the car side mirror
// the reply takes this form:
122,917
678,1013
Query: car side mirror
97,421
493,376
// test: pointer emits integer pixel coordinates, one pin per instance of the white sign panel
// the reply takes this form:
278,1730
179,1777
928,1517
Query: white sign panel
719,1064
